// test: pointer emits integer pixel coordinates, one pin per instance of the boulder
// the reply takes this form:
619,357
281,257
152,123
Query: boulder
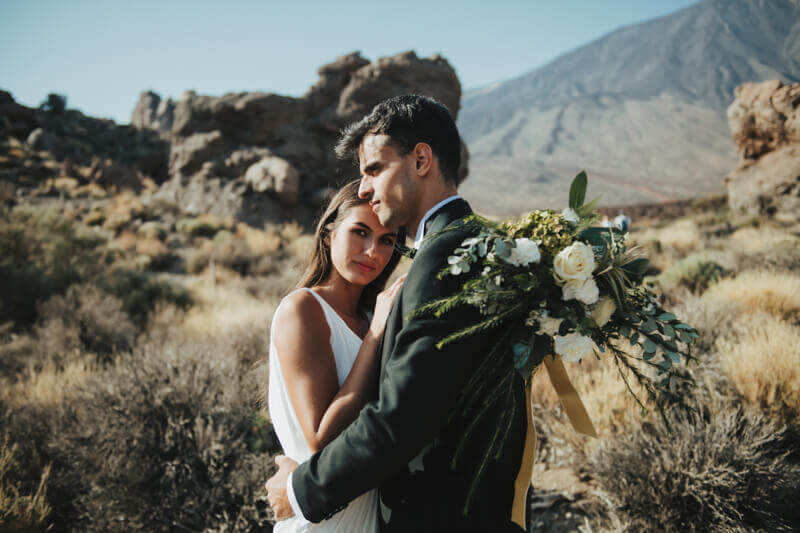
765,122
400,74
189,153
276,175
768,186
153,113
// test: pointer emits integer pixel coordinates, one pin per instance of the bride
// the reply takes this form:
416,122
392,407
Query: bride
323,354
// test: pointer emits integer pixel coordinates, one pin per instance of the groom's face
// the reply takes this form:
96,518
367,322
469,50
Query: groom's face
388,180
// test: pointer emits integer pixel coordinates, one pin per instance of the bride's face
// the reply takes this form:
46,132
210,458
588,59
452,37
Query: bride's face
360,246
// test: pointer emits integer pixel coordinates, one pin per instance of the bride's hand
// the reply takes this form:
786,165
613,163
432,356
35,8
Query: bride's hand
383,304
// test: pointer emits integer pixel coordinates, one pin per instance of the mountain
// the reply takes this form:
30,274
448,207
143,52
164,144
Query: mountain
642,109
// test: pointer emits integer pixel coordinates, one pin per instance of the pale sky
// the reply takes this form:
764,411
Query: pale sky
102,53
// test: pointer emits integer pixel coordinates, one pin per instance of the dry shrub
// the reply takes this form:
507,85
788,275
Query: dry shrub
711,319
20,511
41,254
776,293
231,253
762,361
96,317
724,471
168,439
291,231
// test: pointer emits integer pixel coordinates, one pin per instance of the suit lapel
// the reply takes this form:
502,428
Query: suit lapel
446,215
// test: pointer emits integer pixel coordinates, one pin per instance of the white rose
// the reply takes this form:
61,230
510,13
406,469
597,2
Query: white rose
549,325
575,262
524,253
573,347
602,313
585,291
570,215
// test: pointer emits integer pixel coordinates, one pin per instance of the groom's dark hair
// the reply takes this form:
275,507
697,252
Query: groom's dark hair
408,120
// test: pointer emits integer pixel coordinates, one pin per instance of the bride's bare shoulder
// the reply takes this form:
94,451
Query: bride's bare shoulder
300,314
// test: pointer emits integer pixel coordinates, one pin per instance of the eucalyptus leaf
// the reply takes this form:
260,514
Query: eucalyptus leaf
634,338
683,326
664,365
625,331
666,316
668,331
453,259
675,357
647,356
649,346
649,325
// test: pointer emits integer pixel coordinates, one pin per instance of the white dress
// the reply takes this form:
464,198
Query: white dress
360,515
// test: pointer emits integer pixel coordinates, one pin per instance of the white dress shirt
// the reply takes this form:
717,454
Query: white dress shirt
421,228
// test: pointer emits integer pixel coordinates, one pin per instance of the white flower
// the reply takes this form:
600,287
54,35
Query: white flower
575,262
601,314
570,215
585,291
524,253
573,347
549,325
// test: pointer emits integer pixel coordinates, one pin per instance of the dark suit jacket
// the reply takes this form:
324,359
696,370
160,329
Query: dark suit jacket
415,418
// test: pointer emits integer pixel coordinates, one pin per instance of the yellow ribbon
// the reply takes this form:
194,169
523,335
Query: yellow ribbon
576,412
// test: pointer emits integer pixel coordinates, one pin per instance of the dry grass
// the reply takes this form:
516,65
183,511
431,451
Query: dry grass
18,511
763,363
49,385
776,293
228,309
682,236
259,242
752,240
604,395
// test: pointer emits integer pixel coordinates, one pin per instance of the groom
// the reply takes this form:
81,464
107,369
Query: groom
407,442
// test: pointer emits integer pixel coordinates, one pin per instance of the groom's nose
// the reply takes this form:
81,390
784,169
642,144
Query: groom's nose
365,188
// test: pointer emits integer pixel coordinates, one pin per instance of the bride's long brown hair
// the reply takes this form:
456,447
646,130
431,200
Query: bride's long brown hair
320,264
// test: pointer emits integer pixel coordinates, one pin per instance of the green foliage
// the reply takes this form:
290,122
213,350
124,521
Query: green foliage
696,272
41,254
54,103
141,292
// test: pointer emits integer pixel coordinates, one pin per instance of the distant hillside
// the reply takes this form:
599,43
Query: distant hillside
642,109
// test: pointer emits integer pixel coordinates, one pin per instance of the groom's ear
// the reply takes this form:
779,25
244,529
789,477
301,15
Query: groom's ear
423,156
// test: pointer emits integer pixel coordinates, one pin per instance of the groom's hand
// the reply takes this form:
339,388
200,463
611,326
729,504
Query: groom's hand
276,488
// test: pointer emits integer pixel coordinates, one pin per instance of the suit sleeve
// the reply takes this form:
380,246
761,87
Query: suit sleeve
417,396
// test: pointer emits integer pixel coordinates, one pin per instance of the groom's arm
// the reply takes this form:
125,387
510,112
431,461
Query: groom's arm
421,387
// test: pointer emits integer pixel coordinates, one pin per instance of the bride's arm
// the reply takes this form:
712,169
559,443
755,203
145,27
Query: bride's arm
302,340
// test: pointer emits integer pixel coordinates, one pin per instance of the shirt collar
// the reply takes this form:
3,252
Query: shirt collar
421,228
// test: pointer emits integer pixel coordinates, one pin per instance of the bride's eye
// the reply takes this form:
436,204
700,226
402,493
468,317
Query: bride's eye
360,232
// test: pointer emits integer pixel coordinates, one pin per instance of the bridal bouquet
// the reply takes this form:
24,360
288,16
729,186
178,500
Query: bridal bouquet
555,286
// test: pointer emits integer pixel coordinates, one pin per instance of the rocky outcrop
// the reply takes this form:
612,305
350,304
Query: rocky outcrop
262,148
38,145
765,122
253,156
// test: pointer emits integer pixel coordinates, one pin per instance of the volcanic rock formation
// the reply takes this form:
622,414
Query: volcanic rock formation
765,122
